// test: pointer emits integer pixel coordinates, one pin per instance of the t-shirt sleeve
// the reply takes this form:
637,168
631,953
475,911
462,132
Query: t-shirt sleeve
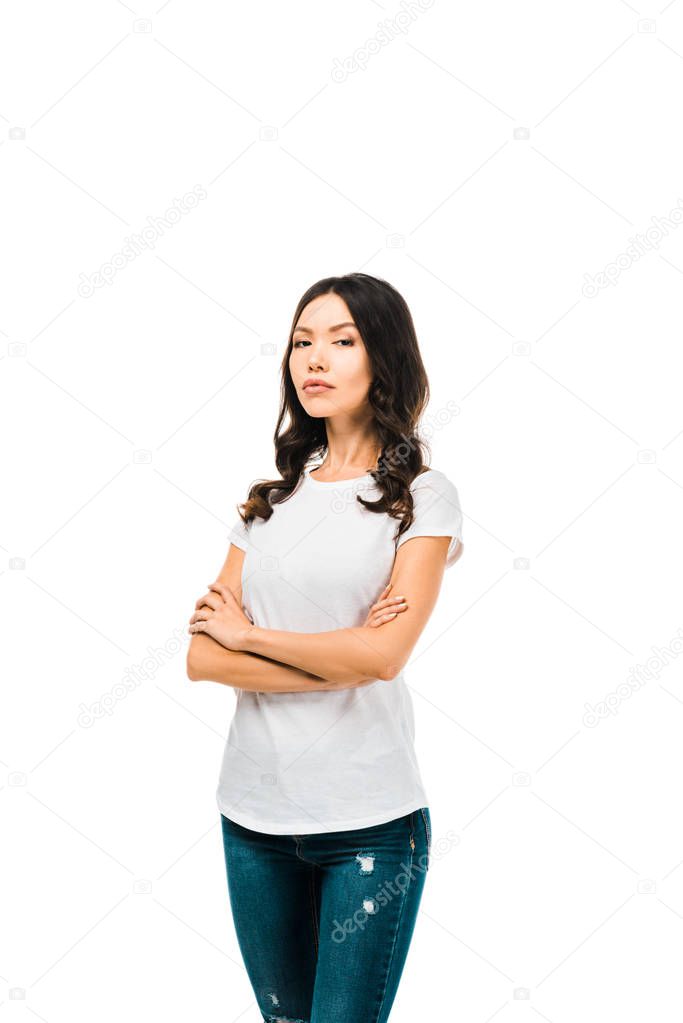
239,535
436,512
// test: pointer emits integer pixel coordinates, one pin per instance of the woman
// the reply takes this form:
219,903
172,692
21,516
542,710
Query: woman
324,816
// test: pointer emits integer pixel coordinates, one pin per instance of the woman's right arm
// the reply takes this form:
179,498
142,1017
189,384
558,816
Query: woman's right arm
212,662
208,661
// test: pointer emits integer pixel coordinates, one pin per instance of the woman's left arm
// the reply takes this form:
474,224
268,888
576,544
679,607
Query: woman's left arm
378,653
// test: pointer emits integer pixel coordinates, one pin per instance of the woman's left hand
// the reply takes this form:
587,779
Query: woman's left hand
223,620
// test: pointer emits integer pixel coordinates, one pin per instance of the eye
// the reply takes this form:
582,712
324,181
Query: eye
304,341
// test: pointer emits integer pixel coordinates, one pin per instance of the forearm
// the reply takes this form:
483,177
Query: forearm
208,661
342,655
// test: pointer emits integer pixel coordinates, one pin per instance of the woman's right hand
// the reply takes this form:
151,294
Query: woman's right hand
385,610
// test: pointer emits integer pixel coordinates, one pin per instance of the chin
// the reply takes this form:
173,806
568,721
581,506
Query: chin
317,405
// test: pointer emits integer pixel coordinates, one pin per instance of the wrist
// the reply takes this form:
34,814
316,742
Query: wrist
246,639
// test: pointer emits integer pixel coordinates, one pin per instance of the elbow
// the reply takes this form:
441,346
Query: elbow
388,672
198,663
191,666
201,664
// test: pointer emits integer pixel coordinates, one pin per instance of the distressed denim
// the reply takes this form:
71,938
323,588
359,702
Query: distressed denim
324,921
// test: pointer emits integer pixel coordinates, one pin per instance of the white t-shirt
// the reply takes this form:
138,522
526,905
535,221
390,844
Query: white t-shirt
306,763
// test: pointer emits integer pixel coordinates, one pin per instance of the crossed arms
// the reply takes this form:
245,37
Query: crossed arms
285,662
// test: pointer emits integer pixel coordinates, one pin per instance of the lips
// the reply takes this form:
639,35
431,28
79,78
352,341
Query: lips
317,385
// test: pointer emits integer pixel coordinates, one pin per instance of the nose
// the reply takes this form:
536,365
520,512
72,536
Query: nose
315,359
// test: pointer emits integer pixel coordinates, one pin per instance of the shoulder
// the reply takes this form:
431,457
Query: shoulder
436,511
433,479
239,534
436,498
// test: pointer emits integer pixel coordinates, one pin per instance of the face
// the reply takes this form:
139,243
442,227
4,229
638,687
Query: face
327,346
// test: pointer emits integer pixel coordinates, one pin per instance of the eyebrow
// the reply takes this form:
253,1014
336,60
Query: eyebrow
339,326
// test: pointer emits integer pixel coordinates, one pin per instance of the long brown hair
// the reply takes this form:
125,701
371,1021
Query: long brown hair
398,395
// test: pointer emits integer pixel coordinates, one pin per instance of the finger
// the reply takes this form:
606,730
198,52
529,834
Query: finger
389,602
384,607
200,616
387,616
214,600
224,591
382,620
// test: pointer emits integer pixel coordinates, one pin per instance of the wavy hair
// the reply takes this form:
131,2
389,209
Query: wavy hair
398,395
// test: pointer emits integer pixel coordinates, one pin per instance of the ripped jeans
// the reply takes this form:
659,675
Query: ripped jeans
324,921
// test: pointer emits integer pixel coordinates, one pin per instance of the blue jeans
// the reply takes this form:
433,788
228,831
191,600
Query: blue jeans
324,921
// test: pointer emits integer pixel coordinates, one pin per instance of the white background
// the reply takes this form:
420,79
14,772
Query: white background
488,160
